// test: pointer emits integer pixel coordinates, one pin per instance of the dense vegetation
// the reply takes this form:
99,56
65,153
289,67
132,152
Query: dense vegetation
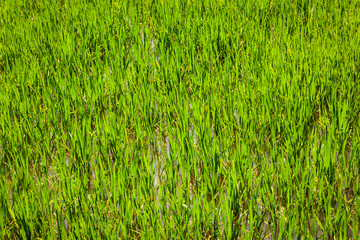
179,119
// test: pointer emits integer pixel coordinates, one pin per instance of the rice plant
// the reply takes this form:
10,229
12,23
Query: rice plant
180,119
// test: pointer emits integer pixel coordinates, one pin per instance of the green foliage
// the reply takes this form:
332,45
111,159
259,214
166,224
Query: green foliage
164,119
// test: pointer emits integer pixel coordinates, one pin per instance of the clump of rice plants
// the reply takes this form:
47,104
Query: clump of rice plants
161,119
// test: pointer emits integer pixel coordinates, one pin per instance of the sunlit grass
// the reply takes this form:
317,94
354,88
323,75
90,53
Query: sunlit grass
179,119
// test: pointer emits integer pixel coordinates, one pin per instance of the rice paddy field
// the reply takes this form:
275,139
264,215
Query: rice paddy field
179,119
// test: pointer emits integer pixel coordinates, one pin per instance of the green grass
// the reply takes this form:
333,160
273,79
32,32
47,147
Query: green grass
162,119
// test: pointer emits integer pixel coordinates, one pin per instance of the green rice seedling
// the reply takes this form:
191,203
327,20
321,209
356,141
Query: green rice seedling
179,119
